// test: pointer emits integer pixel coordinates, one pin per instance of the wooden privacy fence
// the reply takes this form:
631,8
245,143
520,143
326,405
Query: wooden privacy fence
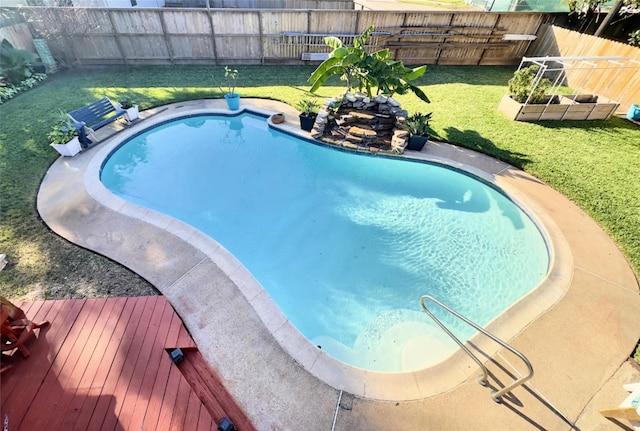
272,36
620,84
19,35
263,4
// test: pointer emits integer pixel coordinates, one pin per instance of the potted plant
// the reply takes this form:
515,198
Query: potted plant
634,112
132,109
230,95
418,128
308,112
64,138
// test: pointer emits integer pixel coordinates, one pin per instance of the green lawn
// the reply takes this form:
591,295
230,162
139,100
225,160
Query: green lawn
596,163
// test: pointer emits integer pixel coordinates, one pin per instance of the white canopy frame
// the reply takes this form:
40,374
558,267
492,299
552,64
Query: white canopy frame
578,71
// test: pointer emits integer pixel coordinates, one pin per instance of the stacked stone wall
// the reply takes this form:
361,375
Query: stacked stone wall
359,122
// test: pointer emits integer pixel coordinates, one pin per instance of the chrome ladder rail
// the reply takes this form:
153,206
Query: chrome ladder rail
482,379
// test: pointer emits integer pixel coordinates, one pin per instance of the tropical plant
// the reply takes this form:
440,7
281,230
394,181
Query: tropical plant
231,78
366,72
418,124
308,107
15,64
527,85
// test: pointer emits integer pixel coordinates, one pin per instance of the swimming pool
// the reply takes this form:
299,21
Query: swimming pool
345,244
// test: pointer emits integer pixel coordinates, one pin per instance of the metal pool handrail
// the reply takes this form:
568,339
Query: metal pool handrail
482,379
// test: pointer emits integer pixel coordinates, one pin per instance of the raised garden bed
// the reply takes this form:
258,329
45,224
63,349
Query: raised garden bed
578,107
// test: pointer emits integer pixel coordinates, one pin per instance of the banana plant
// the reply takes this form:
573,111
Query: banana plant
366,72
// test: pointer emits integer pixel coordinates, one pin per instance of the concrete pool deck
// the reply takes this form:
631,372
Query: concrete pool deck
577,329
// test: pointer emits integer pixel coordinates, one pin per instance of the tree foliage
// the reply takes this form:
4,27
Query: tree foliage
588,11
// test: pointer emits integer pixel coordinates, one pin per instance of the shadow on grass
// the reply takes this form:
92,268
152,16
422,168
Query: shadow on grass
611,124
472,140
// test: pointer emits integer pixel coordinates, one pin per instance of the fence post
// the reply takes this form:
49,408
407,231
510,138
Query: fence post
213,37
261,31
167,42
116,35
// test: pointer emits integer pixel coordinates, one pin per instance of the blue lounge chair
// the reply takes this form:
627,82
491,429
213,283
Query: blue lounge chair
88,119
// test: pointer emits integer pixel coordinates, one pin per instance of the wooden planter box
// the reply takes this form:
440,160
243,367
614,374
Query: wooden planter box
590,107
593,108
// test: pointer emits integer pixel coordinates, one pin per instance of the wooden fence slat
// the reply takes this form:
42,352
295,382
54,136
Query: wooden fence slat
621,85
253,36
257,36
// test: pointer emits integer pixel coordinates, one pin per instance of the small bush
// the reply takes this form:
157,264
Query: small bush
522,86
9,92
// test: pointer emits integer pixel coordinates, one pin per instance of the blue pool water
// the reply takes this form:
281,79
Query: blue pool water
344,243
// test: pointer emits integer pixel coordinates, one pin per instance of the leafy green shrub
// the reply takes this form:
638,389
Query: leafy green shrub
634,38
62,130
523,85
9,91
61,133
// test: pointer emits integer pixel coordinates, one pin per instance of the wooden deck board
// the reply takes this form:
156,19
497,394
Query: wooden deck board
29,376
140,405
205,421
180,407
85,369
144,356
104,367
42,411
192,415
102,364
169,400
17,360
210,388
136,342
81,403
161,381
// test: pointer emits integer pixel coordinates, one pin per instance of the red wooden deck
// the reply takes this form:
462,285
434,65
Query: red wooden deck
103,364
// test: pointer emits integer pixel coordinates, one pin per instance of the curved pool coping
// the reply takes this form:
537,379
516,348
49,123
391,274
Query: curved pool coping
183,277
